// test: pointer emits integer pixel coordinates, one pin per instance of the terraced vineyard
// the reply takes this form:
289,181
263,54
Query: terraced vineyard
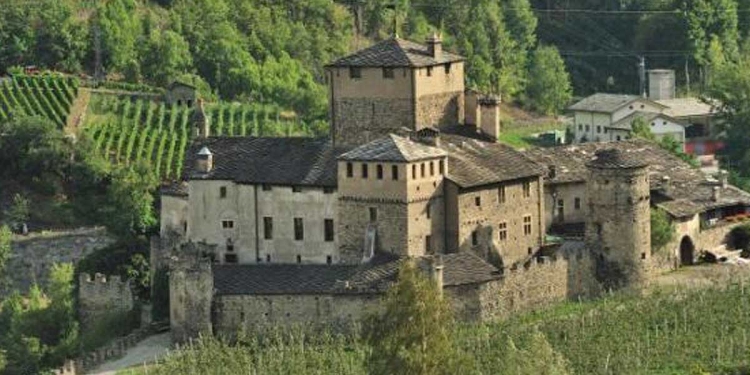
46,96
134,130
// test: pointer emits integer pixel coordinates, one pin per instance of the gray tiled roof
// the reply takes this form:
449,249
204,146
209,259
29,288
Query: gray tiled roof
373,277
606,103
614,158
260,160
394,149
473,162
395,52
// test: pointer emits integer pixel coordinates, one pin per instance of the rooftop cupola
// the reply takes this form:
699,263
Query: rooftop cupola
204,161
435,46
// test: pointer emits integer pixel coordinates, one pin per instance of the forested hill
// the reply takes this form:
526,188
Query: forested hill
273,51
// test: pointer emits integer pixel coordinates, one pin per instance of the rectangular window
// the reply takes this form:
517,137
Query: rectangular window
296,189
474,238
577,203
441,167
329,259
429,71
428,244
560,203
227,224
527,225
328,230
587,128
355,73
373,214
364,170
394,172
414,172
580,127
223,192
388,73
432,169
379,171
477,201
328,190
230,258
299,230
268,258
502,231
422,170
349,170
447,68
299,258
268,228
526,189
598,129
230,245
266,187
428,209
501,195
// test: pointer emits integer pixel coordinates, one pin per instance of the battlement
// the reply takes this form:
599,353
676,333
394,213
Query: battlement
101,295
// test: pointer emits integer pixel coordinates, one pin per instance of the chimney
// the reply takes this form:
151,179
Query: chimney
489,114
436,271
716,196
426,136
435,46
724,178
204,161
200,121
471,103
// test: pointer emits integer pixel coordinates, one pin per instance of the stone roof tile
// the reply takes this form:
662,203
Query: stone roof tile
393,148
395,52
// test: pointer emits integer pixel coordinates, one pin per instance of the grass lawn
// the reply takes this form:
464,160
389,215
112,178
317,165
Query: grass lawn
524,136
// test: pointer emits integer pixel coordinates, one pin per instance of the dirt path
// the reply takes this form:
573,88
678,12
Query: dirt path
148,350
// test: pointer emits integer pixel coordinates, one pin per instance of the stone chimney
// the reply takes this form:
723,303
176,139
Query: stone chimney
204,161
426,136
200,121
435,46
436,271
716,194
471,103
489,115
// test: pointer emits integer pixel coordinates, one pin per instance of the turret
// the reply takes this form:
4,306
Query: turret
618,228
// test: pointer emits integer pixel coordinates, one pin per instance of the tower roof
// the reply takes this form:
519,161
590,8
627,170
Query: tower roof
613,158
395,52
393,148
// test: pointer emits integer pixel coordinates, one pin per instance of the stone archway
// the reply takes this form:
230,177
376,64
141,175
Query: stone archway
687,251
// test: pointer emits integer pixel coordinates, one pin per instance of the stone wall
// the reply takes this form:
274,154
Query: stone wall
191,289
354,220
361,120
440,110
114,350
100,296
33,255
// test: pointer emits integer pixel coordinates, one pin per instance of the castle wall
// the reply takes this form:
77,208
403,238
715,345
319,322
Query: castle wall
354,219
485,220
440,96
191,288
568,193
101,296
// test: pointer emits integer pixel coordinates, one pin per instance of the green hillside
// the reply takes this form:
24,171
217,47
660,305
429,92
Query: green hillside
46,96
129,130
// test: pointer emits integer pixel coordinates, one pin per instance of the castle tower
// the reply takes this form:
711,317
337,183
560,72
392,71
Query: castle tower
391,85
618,228
191,288
391,198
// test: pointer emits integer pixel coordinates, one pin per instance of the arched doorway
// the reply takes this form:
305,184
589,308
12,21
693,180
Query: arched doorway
687,251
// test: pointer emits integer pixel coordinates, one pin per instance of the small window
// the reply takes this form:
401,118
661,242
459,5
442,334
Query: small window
268,258
355,73
441,167
630,107
394,172
429,71
296,189
349,170
580,127
447,68
299,230
268,228
329,259
428,244
373,214
526,189
364,170
527,225
501,195
414,171
474,238
328,190
379,171
529,250
230,258
223,192
432,169
587,128
560,203
227,224
643,255
502,231
299,258
477,201
598,129
328,230
428,209
577,203
642,106
653,124
388,73
266,187
422,170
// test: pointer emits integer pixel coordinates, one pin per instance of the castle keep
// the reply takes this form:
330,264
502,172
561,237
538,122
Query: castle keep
300,230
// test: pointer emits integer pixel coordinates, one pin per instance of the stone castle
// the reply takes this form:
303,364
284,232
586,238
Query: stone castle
300,230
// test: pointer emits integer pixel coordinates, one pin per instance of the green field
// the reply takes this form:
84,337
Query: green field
680,332
524,136
46,96
130,130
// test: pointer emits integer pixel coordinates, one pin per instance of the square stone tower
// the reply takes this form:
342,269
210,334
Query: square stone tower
391,85
391,199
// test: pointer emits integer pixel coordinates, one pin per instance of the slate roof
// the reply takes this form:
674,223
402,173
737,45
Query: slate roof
395,52
676,186
613,158
626,123
473,162
261,160
393,148
606,103
369,278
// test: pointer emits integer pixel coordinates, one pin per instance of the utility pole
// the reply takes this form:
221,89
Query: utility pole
642,75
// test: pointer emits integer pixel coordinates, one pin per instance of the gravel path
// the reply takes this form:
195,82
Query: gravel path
148,350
